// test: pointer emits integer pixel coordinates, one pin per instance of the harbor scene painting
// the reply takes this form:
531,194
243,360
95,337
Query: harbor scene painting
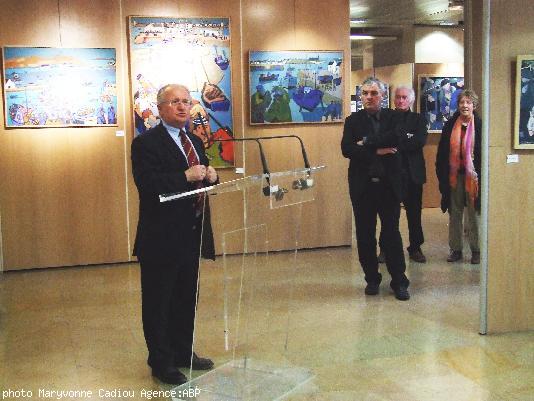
194,52
59,87
295,87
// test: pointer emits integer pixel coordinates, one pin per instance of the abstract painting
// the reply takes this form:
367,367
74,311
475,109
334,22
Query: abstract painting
194,52
524,103
59,87
295,87
438,99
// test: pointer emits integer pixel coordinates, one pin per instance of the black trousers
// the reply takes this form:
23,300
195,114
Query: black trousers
169,295
379,200
413,204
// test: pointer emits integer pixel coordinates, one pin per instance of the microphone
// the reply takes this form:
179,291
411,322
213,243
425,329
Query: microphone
275,190
269,189
301,183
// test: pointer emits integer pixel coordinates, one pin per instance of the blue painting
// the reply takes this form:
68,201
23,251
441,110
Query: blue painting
524,106
59,87
296,87
438,99
194,52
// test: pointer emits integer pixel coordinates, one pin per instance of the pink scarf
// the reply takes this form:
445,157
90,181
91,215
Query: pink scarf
455,162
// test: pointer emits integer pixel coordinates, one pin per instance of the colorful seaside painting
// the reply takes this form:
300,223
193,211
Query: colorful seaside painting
59,87
438,98
296,87
194,52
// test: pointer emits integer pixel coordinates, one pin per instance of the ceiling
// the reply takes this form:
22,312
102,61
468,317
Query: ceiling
386,19
395,13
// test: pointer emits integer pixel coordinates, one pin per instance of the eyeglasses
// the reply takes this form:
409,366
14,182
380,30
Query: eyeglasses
175,102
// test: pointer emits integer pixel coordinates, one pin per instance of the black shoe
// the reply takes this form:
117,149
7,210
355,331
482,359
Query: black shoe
454,256
401,293
417,256
475,258
381,257
372,288
198,363
169,375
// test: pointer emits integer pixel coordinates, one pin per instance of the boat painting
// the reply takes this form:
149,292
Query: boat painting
191,51
295,87
59,87
221,60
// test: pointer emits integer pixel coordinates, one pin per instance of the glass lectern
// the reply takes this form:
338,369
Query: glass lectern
244,316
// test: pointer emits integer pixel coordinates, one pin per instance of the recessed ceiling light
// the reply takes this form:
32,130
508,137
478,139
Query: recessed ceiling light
362,37
447,23
358,21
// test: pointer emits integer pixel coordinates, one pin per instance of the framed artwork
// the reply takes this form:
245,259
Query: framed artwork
194,52
438,99
59,87
524,103
295,86
359,104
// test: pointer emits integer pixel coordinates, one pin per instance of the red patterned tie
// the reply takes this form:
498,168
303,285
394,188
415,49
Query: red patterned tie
192,160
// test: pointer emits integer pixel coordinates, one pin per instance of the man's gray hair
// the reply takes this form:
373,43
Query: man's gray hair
377,82
411,92
161,93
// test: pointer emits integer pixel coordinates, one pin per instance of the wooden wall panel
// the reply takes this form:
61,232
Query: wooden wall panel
172,8
63,195
510,293
69,197
395,75
322,226
357,77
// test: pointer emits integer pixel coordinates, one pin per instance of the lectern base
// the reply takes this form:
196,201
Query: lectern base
244,380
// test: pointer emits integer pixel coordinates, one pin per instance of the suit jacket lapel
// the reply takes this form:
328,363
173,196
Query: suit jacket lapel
171,146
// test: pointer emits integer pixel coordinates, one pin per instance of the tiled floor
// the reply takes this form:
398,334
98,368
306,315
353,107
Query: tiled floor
79,329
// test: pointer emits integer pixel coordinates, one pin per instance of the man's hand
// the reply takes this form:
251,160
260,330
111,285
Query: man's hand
386,151
211,175
195,173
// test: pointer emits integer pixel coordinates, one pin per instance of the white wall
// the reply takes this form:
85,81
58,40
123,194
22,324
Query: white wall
435,45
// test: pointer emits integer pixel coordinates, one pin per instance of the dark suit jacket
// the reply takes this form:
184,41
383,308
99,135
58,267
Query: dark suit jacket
411,148
442,160
159,167
357,126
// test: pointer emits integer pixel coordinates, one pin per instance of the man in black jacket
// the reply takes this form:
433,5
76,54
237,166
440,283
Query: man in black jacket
168,159
412,135
375,186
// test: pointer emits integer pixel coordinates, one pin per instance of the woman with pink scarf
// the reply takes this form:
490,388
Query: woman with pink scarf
458,171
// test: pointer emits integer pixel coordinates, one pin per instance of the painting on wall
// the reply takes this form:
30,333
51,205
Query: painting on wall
524,103
59,87
358,97
295,87
438,99
194,52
